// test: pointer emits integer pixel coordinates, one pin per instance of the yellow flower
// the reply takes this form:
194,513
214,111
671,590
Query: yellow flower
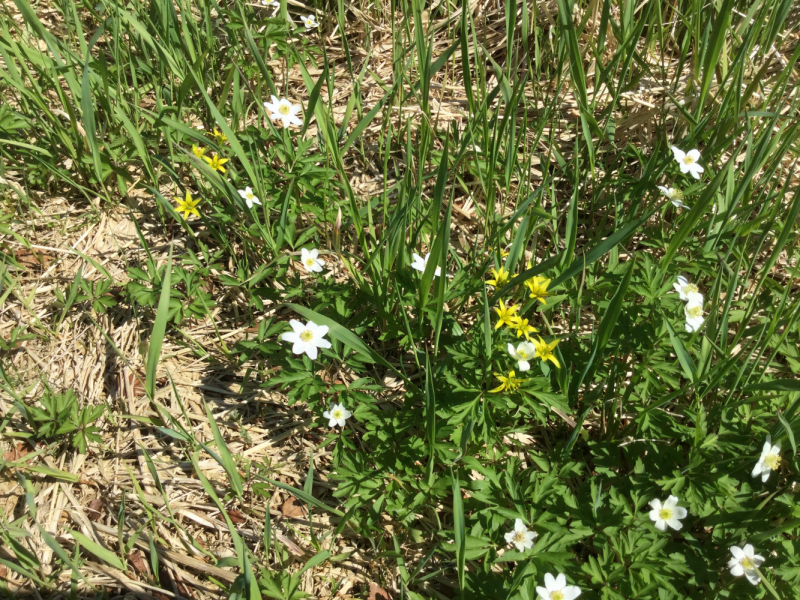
506,315
538,288
507,384
500,277
524,328
216,162
219,136
188,206
198,151
545,351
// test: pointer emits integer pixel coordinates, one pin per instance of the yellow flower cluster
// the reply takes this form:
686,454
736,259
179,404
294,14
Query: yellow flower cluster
187,205
507,315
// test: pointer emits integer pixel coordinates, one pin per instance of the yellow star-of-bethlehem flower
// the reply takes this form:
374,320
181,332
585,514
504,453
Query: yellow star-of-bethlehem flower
216,162
500,277
506,315
188,205
523,327
198,151
219,136
508,383
545,351
538,288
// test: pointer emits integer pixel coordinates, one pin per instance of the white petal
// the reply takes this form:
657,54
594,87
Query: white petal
661,525
571,592
519,525
543,593
737,570
663,189
311,350
674,523
299,347
509,537
738,553
322,330
680,512
678,153
304,255
322,343
758,469
656,504
765,475
524,365
550,582
654,514
561,581
511,350
316,268
684,167
749,550
291,336
671,502
752,576
297,326
693,154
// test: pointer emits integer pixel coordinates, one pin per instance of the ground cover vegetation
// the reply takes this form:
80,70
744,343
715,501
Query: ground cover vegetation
399,299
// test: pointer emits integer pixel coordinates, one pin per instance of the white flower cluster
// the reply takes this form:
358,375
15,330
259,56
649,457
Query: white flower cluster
693,309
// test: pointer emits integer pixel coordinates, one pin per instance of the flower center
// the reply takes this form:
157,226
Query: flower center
695,311
557,595
665,514
310,262
772,461
250,196
747,564
522,354
307,335
519,537
284,109
676,194
690,288
337,414
688,160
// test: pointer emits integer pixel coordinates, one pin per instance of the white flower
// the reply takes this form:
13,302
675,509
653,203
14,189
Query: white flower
420,263
337,415
273,4
249,197
310,22
306,338
668,513
556,588
745,562
675,196
688,291
522,353
694,315
688,161
283,110
520,536
769,461
310,260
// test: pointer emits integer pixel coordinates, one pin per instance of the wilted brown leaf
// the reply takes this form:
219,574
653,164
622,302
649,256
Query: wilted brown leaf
236,516
31,259
376,592
293,508
18,452
137,562
95,509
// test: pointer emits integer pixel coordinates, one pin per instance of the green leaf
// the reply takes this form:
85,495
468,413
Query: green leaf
687,364
159,331
103,554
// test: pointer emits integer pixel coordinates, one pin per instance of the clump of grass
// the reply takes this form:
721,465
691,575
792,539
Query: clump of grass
463,267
